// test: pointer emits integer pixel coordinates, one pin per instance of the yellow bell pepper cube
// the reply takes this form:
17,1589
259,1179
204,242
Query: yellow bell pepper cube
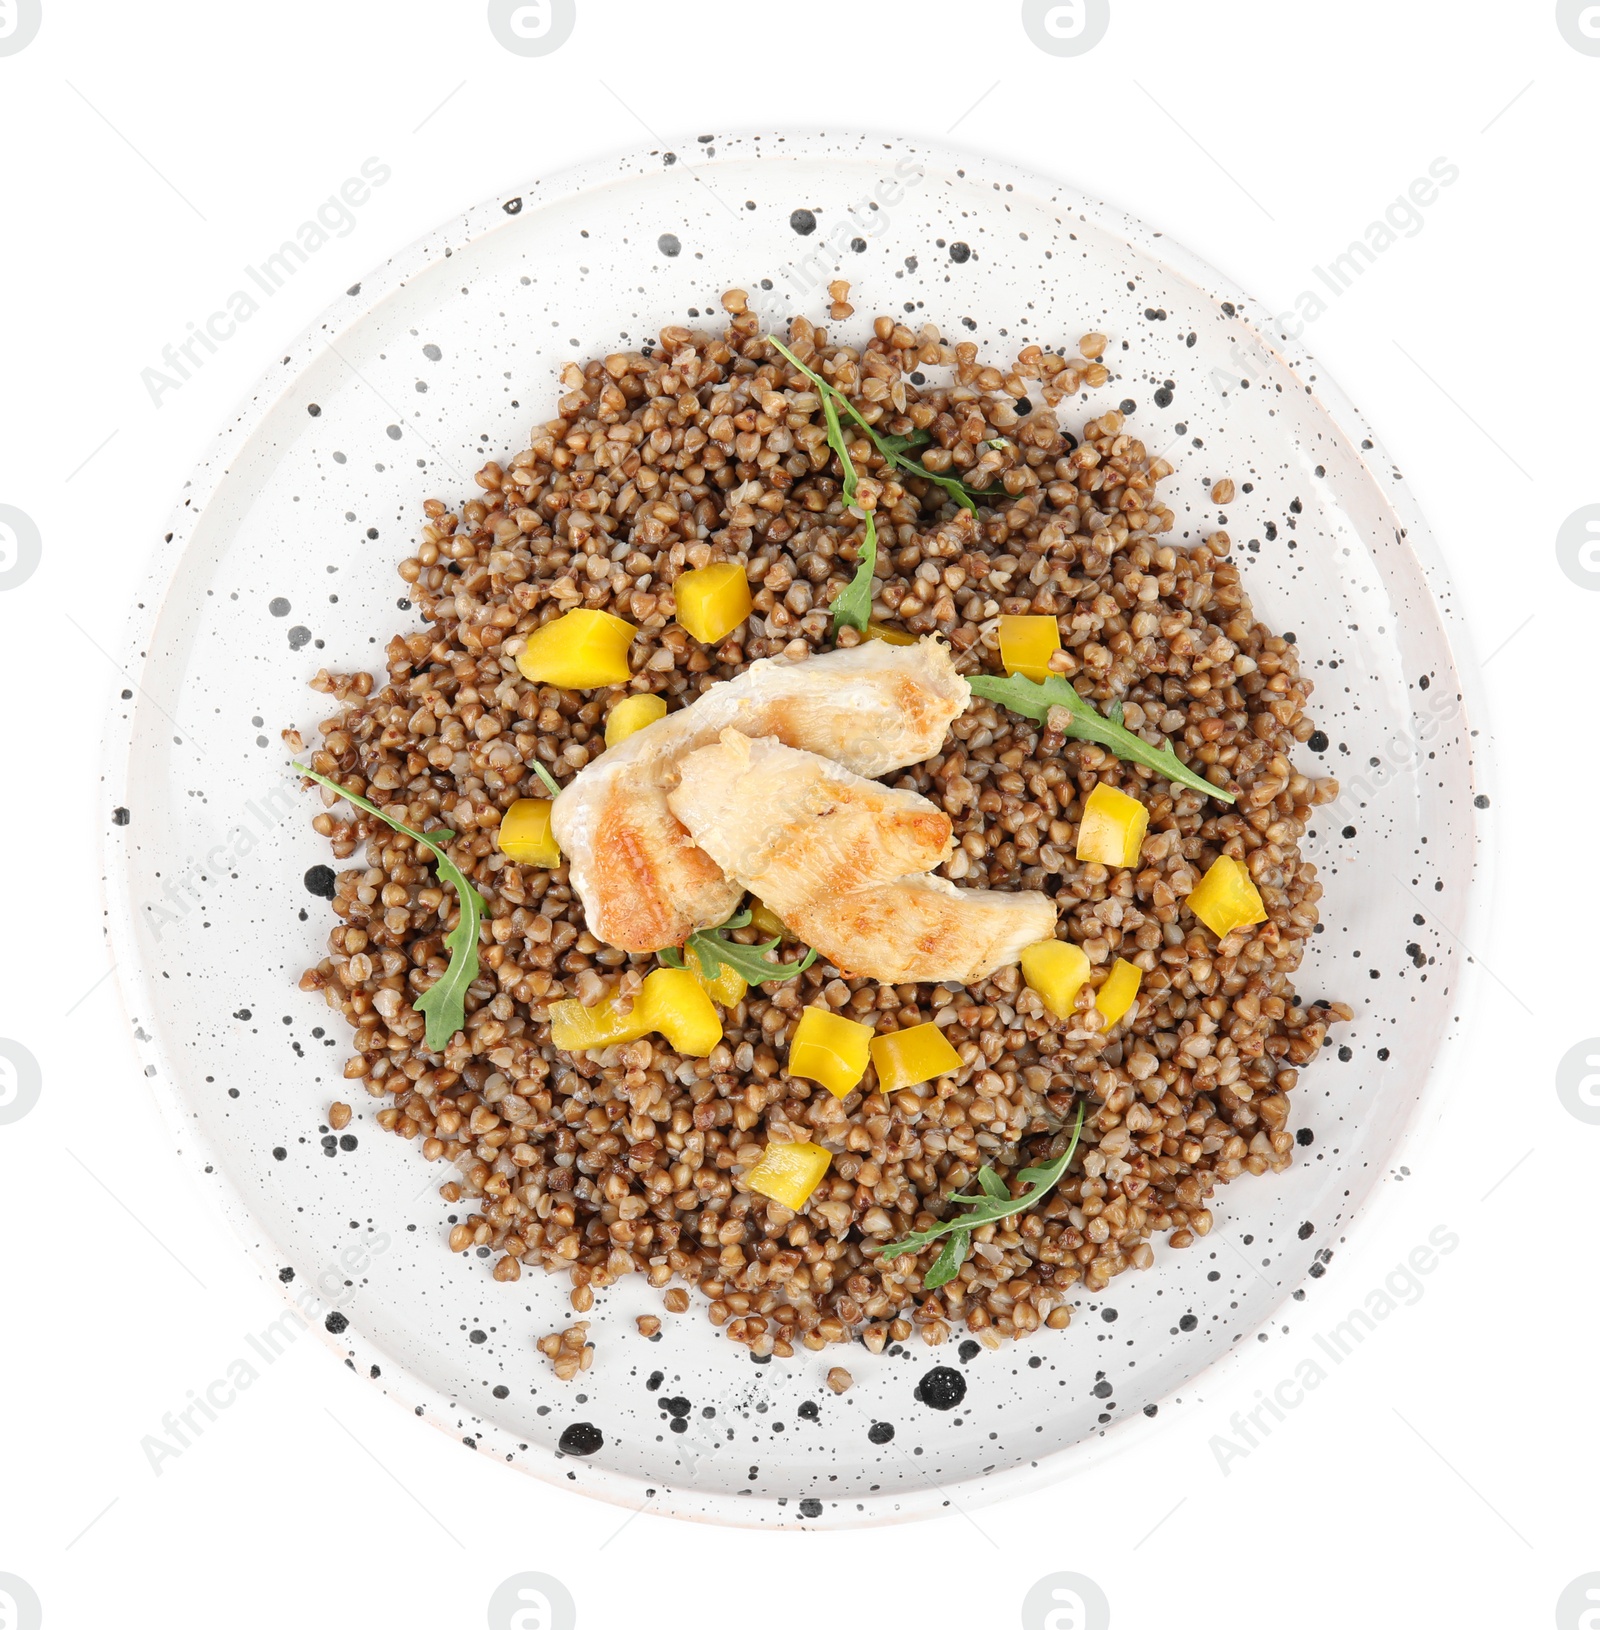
1057,970
632,714
788,1172
727,989
1115,997
575,1028
906,1058
889,636
1113,827
524,835
580,650
766,920
673,1003
829,1049
1026,644
676,1004
1227,898
712,601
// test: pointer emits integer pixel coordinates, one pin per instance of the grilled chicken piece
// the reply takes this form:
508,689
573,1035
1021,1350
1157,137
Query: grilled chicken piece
796,827
923,928
643,882
845,862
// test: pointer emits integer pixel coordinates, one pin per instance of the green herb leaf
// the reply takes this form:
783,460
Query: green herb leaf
895,445
852,606
995,1204
1035,698
549,780
443,1004
948,1262
711,953
892,448
993,1184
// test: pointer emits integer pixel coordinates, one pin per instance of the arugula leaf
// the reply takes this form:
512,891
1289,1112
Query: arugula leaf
852,606
995,1204
443,1004
1035,699
891,447
948,1262
711,953
904,444
545,776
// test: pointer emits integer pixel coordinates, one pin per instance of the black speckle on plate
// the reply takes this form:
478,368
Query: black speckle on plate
880,1432
336,1324
298,637
803,221
581,1438
669,245
278,606
321,882
942,1388
960,252
120,816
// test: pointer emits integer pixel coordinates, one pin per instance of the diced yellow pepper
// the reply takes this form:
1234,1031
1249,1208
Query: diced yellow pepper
712,601
580,650
524,834
889,636
788,1172
676,1004
829,1049
1057,970
632,714
766,920
727,989
673,1003
575,1028
1026,644
1115,997
1113,827
906,1058
1227,898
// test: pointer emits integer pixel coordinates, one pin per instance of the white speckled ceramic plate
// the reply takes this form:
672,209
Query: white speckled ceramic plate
281,560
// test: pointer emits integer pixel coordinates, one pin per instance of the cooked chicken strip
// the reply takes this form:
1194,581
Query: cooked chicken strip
643,883
923,928
844,861
796,827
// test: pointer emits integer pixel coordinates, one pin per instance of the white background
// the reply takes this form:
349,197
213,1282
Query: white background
1445,1472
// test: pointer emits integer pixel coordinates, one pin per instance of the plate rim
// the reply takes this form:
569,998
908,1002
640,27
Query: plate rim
213,469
